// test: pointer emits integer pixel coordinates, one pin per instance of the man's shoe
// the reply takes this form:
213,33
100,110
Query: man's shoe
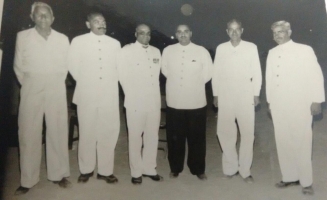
173,175
307,190
83,178
63,183
249,179
230,176
137,181
283,184
21,190
154,177
108,179
202,177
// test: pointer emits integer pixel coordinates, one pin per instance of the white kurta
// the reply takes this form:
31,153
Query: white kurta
236,80
139,70
41,68
92,63
293,82
187,69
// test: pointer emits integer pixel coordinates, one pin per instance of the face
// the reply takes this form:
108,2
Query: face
281,35
183,34
42,17
143,34
97,24
234,31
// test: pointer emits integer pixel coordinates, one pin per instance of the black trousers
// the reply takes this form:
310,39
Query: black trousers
187,125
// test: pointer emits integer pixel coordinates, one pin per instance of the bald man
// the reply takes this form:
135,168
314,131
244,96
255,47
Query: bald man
139,69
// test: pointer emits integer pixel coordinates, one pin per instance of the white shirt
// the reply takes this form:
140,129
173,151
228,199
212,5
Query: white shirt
237,71
36,55
293,76
187,69
92,63
139,70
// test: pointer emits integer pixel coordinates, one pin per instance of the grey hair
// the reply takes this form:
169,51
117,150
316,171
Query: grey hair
234,21
286,25
40,4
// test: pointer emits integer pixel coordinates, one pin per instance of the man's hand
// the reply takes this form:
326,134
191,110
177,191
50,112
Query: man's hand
315,108
256,100
215,101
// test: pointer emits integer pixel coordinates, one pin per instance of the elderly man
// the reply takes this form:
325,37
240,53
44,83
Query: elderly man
236,84
41,68
188,68
92,63
295,90
139,69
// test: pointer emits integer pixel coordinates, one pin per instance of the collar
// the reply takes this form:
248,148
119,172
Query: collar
96,36
184,47
138,44
239,44
38,35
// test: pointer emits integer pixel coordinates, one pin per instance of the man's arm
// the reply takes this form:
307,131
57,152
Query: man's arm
207,65
74,59
18,60
257,76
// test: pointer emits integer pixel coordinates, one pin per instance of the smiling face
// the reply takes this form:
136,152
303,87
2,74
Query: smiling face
143,34
234,31
42,17
281,35
97,24
183,34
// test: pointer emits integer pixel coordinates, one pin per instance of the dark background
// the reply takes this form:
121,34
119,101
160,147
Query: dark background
208,22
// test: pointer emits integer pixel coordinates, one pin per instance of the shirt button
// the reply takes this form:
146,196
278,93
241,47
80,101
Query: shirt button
99,58
277,75
99,41
100,77
99,49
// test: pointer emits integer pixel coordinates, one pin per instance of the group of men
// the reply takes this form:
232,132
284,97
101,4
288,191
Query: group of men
97,63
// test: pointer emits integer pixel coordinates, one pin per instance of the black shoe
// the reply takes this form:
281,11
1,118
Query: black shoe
202,177
83,178
162,126
173,175
249,179
108,179
21,190
63,183
154,177
137,181
307,190
286,184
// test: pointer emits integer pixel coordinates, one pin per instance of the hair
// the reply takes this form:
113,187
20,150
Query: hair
40,4
235,21
184,25
139,25
286,25
92,14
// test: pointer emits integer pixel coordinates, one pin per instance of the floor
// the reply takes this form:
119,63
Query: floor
265,170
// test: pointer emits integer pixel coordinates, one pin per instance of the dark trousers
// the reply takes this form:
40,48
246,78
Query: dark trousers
187,125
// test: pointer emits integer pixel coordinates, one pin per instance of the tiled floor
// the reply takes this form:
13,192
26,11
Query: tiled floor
265,171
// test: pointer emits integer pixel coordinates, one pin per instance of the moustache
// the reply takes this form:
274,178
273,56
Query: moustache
102,28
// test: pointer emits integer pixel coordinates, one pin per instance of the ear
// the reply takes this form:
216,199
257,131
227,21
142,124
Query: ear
191,33
32,18
135,34
88,25
289,32
227,31
242,30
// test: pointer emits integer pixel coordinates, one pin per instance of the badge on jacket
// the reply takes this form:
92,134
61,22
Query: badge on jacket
155,60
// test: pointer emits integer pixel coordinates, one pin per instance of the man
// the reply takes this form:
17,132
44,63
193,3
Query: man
236,84
295,90
139,69
188,68
92,63
41,68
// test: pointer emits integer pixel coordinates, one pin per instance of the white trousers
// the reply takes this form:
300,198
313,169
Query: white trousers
243,111
43,95
98,134
293,134
143,125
